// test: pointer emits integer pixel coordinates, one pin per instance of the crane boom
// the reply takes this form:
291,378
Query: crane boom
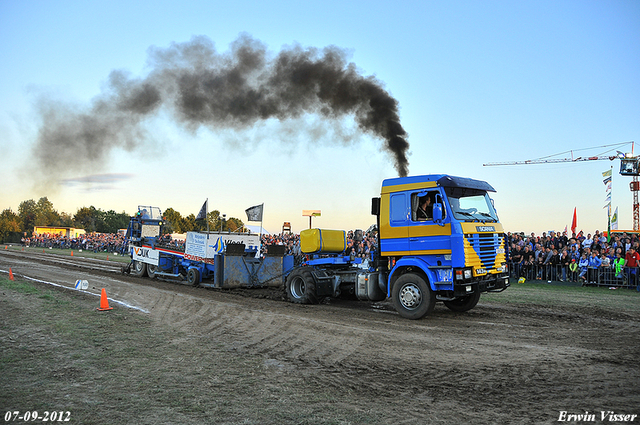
633,161
551,161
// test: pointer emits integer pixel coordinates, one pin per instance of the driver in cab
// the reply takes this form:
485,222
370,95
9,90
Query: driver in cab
425,208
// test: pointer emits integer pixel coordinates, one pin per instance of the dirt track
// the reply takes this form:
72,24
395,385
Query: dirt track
495,364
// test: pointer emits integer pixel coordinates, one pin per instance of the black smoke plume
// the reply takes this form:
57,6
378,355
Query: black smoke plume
201,87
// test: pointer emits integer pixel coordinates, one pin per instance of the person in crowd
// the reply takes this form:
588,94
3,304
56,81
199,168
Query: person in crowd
618,267
573,269
565,260
516,260
554,263
631,265
527,262
584,265
540,265
594,265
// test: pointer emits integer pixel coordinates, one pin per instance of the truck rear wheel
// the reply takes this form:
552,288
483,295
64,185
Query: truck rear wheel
463,304
412,297
139,269
301,288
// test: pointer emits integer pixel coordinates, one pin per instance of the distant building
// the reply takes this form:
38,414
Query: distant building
69,232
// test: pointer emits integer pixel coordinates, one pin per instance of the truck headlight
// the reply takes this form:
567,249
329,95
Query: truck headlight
463,274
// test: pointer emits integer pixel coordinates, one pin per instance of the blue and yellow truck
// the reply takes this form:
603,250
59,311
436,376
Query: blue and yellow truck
438,239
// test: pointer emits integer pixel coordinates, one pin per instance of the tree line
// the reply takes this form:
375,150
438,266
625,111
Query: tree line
42,213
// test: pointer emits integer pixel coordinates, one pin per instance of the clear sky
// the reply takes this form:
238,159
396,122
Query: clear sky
475,81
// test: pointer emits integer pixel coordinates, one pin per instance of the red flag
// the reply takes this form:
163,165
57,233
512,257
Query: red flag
574,223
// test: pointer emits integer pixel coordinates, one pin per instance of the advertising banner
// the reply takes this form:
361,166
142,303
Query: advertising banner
145,255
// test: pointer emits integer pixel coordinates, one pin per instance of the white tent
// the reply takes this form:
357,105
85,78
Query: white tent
256,229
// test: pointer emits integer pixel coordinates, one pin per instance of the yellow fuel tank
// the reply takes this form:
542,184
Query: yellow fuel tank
318,241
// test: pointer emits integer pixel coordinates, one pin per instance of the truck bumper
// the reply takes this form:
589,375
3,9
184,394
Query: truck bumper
490,283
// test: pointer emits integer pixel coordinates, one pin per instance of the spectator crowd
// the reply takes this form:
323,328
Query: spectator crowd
96,242
591,260
358,243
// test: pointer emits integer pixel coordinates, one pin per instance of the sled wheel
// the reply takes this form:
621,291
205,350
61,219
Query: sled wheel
151,271
139,269
193,277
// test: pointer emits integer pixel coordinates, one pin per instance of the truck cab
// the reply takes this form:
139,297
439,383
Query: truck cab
442,241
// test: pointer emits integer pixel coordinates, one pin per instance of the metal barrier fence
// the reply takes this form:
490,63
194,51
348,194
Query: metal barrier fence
600,276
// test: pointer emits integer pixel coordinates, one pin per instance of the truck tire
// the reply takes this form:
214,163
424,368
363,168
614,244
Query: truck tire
412,297
151,271
193,277
301,288
138,268
463,304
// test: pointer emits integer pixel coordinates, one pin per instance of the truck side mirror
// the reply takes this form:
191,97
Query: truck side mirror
437,213
375,206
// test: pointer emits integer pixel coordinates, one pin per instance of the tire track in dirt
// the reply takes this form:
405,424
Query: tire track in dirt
257,331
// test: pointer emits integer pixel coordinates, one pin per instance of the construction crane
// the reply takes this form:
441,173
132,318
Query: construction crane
629,166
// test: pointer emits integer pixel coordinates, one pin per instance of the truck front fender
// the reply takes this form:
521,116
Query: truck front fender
403,265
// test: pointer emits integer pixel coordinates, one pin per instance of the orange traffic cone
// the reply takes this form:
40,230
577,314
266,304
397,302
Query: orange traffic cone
104,302
10,274
72,253
107,257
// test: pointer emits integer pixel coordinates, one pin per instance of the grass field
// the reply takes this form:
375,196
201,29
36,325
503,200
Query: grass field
622,300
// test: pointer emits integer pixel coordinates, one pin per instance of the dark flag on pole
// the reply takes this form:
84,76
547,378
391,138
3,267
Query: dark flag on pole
254,213
202,215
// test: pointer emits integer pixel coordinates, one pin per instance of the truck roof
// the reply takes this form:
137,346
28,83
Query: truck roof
442,180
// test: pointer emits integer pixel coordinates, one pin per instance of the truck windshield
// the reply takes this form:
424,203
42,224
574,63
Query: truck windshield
470,204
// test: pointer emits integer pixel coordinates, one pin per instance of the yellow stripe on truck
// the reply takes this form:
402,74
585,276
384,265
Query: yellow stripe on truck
416,231
425,252
405,187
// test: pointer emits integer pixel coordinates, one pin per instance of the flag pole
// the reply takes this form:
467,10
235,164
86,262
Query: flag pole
609,209
261,218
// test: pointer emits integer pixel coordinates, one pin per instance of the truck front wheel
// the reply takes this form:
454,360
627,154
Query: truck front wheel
301,288
412,297
464,303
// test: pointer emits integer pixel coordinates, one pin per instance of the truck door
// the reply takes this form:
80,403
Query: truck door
425,236
395,215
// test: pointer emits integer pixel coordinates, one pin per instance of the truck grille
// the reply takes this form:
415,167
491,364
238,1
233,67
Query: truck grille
481,249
